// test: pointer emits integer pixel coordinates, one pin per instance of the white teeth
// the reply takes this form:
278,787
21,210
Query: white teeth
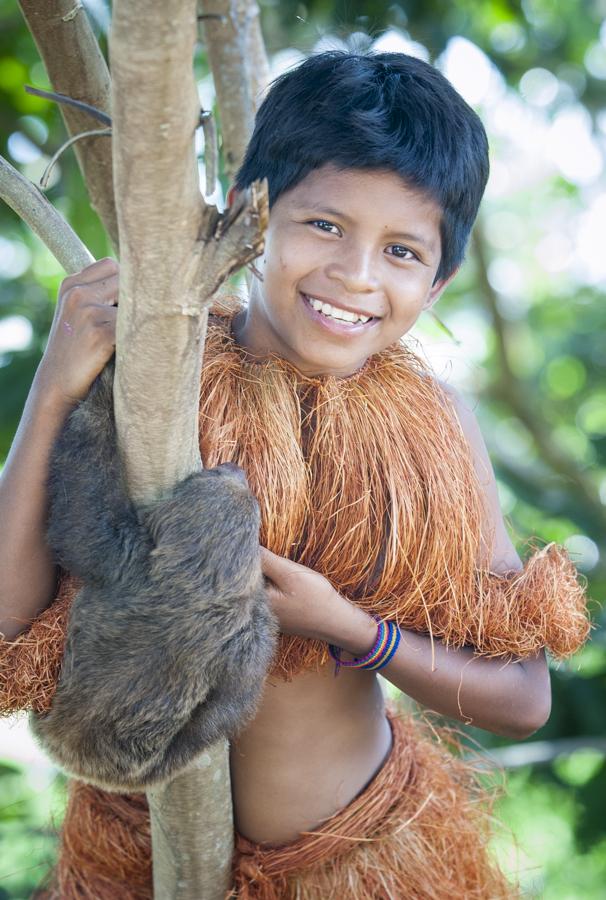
333,312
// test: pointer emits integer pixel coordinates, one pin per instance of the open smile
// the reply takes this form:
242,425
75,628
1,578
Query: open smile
337,319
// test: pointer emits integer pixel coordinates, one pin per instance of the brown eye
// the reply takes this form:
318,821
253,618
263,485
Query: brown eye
401,252
324,225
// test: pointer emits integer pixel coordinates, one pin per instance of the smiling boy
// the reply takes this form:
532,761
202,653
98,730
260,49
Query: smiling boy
380,518
350,263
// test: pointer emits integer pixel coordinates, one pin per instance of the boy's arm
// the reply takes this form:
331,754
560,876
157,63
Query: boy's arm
29,574
509,698
80,342
498,552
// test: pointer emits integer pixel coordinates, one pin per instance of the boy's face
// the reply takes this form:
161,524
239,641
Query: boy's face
340,245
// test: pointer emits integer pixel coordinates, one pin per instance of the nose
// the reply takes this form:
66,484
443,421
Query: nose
355,268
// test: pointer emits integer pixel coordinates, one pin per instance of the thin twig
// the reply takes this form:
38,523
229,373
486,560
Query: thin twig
444,328
98,132
514,393
69,101
254,271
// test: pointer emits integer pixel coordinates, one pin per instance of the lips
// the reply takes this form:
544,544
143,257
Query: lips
314,307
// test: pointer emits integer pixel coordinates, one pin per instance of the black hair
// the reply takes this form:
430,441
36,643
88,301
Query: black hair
374,111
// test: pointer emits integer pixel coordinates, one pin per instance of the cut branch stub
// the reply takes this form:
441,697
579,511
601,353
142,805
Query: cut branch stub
209,131
233,238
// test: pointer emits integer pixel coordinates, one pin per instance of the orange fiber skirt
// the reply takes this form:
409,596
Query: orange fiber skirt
418,831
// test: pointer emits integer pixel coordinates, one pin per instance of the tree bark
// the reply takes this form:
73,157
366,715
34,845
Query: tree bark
238,60
76,67
31,205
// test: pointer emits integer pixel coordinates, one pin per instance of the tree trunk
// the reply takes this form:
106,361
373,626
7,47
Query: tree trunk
171,264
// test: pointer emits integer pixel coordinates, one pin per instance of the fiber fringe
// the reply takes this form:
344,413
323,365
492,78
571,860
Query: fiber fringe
105,850
30,665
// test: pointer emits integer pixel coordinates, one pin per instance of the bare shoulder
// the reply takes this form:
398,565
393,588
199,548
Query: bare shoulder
499,549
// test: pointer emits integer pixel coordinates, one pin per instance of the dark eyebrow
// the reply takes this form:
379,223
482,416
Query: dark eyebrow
400,235
413,238
326,210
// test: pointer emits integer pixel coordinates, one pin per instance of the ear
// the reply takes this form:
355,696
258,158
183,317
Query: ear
438,289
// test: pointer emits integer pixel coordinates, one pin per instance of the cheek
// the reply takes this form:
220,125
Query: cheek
286,260
411,290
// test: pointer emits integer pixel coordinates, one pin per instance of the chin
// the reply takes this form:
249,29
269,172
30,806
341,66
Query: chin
329,362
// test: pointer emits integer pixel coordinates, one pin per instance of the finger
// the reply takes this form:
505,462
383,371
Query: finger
106,290
271,562
103,292
98,269
102,268
105,316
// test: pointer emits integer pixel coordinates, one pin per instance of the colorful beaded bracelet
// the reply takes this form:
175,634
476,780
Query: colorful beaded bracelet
386,644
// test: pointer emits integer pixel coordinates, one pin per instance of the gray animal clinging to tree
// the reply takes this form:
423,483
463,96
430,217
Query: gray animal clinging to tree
170,637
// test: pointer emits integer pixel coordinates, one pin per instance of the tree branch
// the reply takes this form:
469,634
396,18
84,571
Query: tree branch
541,753
69,101
96,132
31,205
183,869
510,390
237,57
76,67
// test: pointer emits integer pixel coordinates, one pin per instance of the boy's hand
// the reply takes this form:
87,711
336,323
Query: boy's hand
83,334
306,604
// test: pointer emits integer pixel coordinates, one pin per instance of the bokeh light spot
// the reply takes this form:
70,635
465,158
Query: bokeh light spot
15,333
565,375
583,551
591,417
539,86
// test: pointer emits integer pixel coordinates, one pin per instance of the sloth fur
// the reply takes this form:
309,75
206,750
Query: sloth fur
171,635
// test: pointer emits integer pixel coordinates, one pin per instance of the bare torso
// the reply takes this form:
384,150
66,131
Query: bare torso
315,743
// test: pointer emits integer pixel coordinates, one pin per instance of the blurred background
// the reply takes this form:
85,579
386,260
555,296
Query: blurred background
522,331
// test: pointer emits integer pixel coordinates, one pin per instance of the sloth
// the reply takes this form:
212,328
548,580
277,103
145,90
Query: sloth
171,634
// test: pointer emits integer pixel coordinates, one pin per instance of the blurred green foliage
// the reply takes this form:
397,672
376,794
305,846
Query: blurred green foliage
527,310
31,809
